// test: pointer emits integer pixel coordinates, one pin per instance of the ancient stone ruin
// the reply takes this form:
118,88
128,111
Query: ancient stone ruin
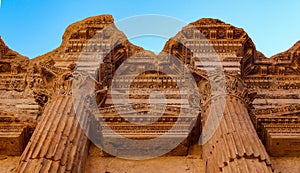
64,111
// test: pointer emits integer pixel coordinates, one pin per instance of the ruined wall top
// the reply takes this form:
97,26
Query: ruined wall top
98,22
10,59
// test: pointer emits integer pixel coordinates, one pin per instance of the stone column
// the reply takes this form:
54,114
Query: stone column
230,142
58,143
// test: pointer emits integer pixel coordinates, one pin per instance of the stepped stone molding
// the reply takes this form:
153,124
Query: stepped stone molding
258,115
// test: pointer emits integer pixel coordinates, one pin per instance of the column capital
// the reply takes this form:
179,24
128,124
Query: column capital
225,85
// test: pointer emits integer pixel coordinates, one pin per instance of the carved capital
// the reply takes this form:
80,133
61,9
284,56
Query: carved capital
226,85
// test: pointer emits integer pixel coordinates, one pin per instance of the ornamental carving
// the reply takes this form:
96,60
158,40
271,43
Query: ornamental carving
261,98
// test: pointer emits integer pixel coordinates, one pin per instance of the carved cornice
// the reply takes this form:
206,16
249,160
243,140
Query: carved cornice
284,128
287,114
286,110
286,63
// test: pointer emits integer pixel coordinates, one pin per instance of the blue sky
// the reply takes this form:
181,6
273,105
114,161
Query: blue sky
35,27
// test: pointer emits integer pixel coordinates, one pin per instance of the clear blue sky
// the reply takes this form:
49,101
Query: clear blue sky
35,27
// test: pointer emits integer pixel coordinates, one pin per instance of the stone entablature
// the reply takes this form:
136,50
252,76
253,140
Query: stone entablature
13,134
264,91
